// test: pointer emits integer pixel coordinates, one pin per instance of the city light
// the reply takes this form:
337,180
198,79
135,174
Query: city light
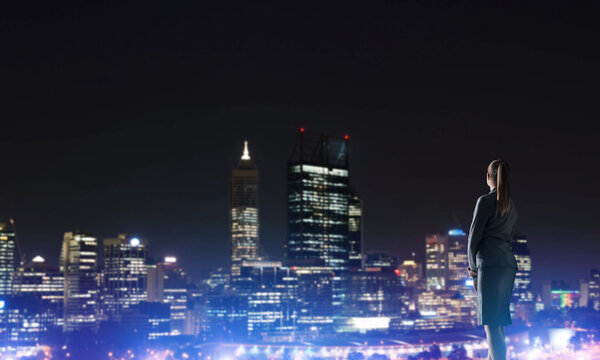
134,242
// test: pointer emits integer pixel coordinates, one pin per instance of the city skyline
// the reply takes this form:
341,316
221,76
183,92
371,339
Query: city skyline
278,254
138,132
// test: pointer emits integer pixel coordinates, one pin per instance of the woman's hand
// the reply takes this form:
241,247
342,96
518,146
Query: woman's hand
473,276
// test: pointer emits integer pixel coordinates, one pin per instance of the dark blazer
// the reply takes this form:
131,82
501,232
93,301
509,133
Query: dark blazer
490,235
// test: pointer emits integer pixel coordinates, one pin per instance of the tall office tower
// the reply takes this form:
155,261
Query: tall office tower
522,305
78,262
125,273
7,258
436,247
243,214
167,283
457,261
318,203
355,230
594,289
39,287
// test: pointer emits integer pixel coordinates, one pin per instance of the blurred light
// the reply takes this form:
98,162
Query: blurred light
301,129
170,259
346,137
38,259
371,322
456,232
469,282
134,242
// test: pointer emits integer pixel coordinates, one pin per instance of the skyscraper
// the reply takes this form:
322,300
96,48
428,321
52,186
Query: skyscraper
167,283
457,261
243,214
125,273
39,288
436,247
594,289
78,261
355,230
522,300
318,205
7,259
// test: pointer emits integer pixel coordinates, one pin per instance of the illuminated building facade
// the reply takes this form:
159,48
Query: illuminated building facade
594,289
412,272
355,230
318,206
7,258
522,302
377,292
436,247
125,273
39,288
243,214
78,262
271,290
457,260
445,308
167,283
315,309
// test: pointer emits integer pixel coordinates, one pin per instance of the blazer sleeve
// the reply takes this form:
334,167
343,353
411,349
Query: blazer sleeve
481,215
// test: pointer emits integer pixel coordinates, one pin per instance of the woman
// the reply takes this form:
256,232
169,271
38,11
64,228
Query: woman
492,264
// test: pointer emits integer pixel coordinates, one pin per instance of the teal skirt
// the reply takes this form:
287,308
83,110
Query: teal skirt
494,292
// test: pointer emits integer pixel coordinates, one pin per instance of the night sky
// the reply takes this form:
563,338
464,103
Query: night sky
128,117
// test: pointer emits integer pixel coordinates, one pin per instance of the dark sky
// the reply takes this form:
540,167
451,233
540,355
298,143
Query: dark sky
128,117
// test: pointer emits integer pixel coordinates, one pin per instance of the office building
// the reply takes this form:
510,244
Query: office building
78,263
125,273
457,262
594,289
355,222
40,286
243,214
271,290
167,283
318,199
436,247
7,258
522,302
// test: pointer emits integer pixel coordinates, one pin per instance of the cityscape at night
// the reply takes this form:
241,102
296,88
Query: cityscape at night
292,182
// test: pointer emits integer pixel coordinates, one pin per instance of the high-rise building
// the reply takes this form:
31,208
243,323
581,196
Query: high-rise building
594,289
436,247
318,202
125,273
458,261
38,288
522,302
167,283
7,258
78,262
355,230
243,214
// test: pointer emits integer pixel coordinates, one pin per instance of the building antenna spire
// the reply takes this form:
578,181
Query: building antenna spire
246,155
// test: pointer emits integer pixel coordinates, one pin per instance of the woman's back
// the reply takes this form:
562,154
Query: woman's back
495,244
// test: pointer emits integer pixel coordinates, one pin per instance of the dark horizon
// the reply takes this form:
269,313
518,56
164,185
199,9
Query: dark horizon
113,125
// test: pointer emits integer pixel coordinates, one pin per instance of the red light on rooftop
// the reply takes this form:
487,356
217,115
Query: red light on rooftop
301,129
397,272
346,137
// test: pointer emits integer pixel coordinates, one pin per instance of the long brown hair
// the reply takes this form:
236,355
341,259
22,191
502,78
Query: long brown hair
498,171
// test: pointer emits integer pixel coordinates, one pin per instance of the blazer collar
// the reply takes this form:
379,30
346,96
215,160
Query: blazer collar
493,190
